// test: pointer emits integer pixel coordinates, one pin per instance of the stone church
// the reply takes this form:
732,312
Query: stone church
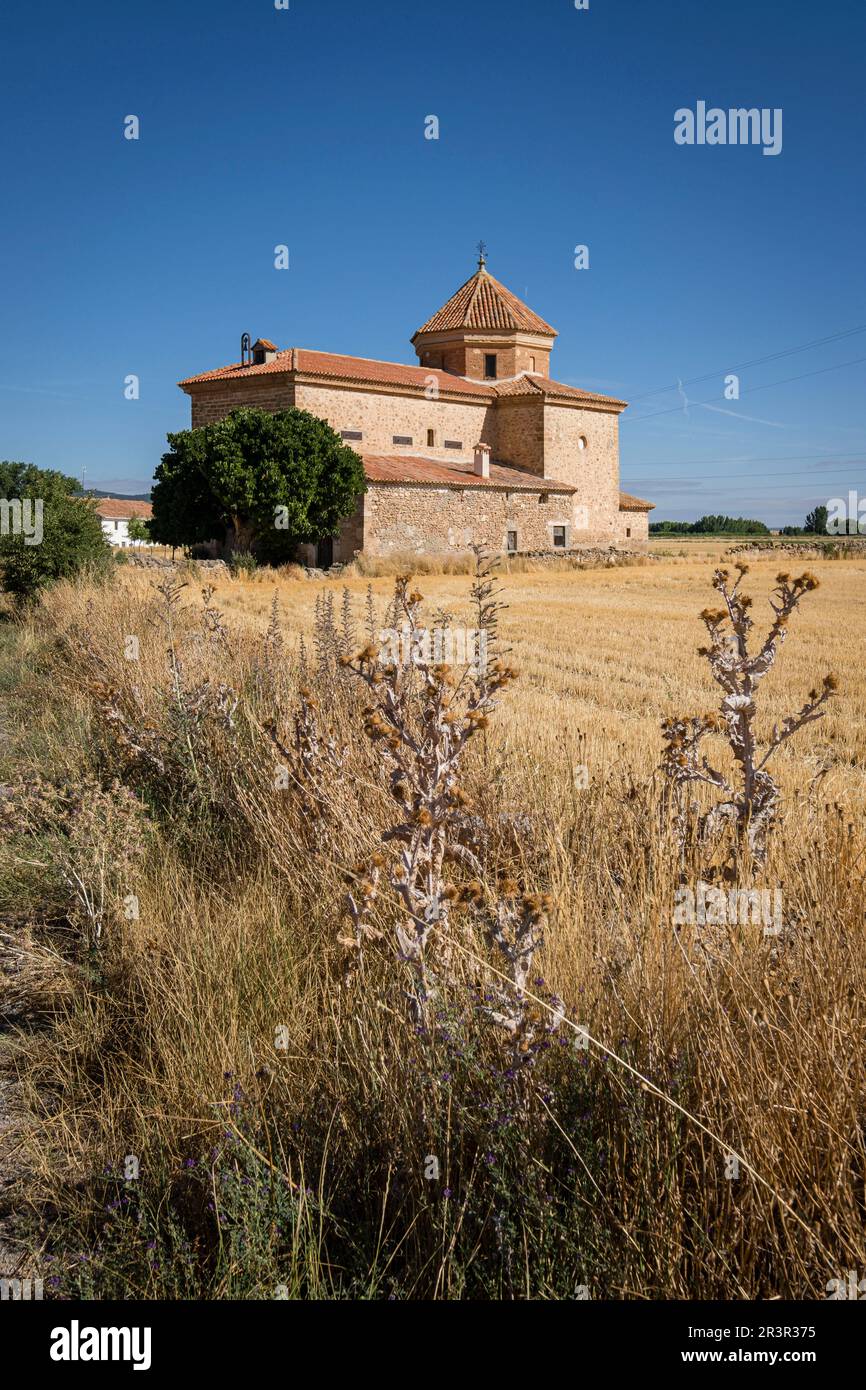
478,444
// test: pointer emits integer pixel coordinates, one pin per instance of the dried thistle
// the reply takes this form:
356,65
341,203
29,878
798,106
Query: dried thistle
749,807
420,720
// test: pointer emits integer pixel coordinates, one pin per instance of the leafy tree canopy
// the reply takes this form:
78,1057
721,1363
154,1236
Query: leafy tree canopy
276,479
54,540
816,522
711,526
138,529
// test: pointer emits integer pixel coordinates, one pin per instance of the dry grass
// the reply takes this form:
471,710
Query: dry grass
308,1159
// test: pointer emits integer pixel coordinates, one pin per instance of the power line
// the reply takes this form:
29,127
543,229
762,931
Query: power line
776,473
676,409
755,362
775,487
753,458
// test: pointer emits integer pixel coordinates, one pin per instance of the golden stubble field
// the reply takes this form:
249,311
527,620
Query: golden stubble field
606,654
705,1042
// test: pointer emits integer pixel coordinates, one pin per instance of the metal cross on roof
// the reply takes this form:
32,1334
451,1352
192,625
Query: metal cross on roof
482,255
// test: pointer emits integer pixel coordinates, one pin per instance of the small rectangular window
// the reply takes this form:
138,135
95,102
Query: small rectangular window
402,439
543,497
559,537
431,439
351,434
511,542
627,532
453,443
490,366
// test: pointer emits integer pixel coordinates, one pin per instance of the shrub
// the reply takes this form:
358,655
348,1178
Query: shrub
66,529
242,563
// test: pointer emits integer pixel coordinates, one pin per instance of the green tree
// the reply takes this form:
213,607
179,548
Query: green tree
46,532
275,479
710,526
138,529
816,522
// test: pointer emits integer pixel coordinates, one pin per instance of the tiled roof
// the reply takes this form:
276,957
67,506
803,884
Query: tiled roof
534,385
369,371
388,468
122,509
627,503
361,369
266,344
485,303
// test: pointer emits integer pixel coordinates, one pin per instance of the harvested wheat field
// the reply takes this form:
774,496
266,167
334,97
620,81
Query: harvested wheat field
608,653
389,978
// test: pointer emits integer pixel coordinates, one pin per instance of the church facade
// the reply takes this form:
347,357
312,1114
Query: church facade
476,445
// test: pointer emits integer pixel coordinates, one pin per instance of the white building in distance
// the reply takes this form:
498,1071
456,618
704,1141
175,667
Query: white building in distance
116,514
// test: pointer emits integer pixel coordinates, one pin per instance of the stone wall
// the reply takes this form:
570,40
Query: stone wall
428,520
380,416
593,469
518,433
212,400
633,528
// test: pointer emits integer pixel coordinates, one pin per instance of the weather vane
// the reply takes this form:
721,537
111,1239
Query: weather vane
482,255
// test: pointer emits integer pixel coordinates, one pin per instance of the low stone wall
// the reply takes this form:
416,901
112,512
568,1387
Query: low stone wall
843,545
584,557
155,562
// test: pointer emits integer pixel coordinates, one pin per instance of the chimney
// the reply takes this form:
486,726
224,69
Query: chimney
263,351
481,465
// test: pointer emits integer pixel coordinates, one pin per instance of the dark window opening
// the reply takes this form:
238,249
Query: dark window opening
402,439
431,439
490,365
559,537
511,542
542,498
351,434
627,532
453,443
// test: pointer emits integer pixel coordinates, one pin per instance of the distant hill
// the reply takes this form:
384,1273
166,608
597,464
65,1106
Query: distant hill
126,496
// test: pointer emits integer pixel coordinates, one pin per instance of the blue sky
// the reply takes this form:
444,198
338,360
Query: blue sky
306,127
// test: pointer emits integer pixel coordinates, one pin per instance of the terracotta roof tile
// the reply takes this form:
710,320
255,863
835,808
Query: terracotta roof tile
627,503
122,509
534,385
387,468
485,303
304,362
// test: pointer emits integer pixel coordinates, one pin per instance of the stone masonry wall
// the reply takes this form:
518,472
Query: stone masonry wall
429,520
518,433
381,416
213,400
638,524
593,470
